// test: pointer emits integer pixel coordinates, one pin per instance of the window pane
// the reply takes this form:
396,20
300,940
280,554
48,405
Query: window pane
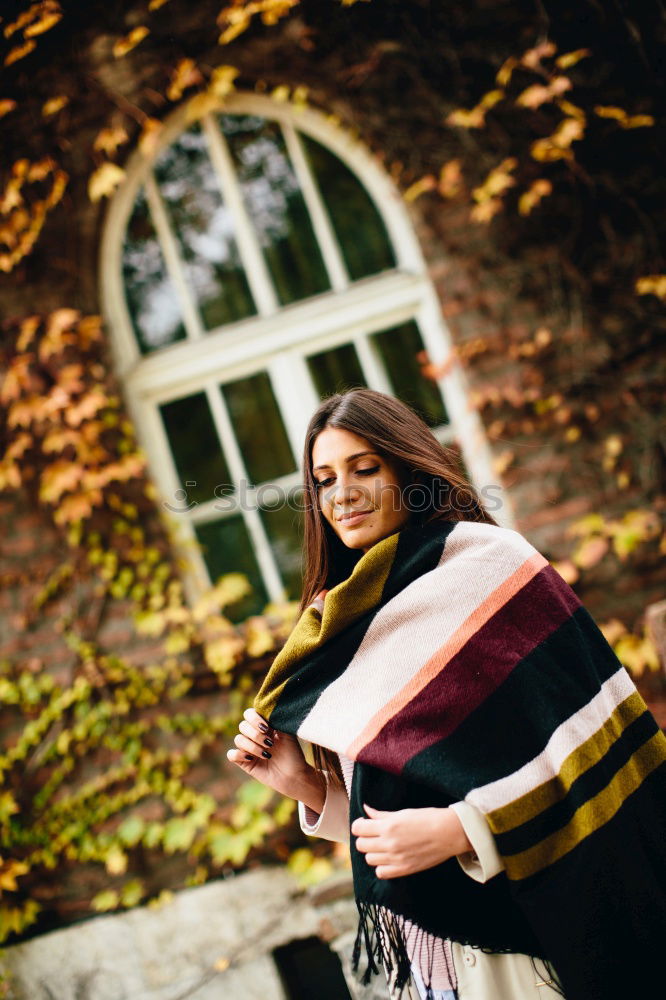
195,447
398,349
336,370
151,297
259,428
361,233
204,229
226,548
284,527
276,207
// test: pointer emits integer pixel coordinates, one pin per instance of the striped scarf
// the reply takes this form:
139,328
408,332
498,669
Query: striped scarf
455,663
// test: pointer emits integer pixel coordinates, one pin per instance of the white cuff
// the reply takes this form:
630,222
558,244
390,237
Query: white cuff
332,823
483,861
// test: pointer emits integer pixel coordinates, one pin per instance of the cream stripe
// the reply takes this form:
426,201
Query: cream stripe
569,735
445,653
411,628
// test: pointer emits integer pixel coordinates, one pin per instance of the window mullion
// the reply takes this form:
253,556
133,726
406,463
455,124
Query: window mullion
372,365
295,395
254,263
328,243
262,548
172,259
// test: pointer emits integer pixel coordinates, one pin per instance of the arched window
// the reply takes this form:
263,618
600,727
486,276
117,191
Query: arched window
259,261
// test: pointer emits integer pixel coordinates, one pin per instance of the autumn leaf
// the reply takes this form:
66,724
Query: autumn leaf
6,105
54,105
185,74
222,81
568,59
104,181
109,139
49,16
156,4
60,477
450,179
9,872
506,70
532,58
652,284
415,190
77,507
590,552
129,42
20,52
106,900
537,190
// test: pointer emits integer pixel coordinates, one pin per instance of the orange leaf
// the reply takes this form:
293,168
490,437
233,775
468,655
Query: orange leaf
6,105
109,139
78,506
149,137
568,59
19,52
129,42
54,105
61,477
86,407
450,179
104,181
538,190
184,75
652,284
415,190
590,552
532,58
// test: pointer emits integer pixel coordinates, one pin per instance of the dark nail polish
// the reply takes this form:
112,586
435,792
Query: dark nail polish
265,753
263,727
269,743
248,756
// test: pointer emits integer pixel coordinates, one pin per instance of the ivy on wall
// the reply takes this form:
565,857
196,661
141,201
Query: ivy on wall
97,769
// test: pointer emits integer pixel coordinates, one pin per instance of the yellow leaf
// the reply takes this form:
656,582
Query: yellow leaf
415,190
104,181
534,96
572,110
652,284
19,52
450,179
77,507
280,93
605,111
109,139
505,71
590,552
61,477
613,445
638,121
490,99
129,42
233,31
568,59
222,81
486,210
185,74
46,21
466,119
6,105
532,58
538,190
54,105
156,4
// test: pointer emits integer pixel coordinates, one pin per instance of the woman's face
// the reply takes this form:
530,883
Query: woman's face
358,490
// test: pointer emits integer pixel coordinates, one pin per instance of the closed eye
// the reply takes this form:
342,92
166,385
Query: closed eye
360,472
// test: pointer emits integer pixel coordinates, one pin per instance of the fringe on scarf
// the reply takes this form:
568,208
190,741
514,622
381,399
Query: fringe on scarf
384,935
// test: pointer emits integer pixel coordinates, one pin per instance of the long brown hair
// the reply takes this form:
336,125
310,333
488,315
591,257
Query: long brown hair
395,431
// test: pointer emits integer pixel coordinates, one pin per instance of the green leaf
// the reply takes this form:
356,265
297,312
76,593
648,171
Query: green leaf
131,831
106,900
132,893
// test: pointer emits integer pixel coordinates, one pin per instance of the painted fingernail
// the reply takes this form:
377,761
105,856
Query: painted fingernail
248,756
265,753
269,743
263,727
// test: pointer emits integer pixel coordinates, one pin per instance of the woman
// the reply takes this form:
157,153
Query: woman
504,781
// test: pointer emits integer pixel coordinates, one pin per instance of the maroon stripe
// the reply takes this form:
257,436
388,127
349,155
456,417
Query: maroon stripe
529,617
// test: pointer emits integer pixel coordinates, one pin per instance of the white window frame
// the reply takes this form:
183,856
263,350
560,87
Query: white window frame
278,338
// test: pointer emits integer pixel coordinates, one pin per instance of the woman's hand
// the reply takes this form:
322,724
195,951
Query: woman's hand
276,759
408,840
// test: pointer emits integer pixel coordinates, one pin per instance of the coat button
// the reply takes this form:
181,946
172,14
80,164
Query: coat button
469,958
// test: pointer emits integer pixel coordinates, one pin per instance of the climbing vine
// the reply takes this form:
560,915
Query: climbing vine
103,761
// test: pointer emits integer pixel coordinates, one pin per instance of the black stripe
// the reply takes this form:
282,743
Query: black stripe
513,725
583,788
418,551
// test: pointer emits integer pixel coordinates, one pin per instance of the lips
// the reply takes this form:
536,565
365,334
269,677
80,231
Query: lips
353,516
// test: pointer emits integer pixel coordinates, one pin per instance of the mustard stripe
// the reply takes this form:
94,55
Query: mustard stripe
592,815
344,603
579,761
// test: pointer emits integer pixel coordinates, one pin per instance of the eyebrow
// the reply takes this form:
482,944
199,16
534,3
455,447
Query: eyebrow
349,458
